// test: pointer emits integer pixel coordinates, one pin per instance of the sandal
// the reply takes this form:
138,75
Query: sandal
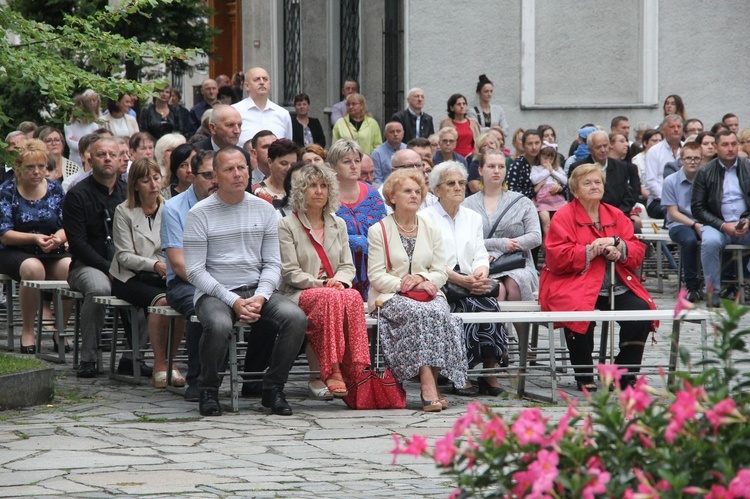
178,380
430,405
159,379
338,387
589,386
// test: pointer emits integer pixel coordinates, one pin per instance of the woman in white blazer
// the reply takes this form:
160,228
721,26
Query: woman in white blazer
117,120
139,267
317,273
406,270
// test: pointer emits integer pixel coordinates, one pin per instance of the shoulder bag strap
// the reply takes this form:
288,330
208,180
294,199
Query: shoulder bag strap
385,245
318,249
494,227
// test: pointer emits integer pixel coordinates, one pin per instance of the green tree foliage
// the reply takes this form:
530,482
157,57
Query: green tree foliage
80,48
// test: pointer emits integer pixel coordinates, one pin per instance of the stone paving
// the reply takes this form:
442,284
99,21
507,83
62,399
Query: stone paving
101,438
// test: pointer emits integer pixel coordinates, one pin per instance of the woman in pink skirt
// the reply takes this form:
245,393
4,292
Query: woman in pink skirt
317,273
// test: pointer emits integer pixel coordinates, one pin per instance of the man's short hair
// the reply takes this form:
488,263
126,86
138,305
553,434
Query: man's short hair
596,133
413,91
727,116
223,152
139,137
650,133
259,135
693,120
617,120
87,141
351,80
723,133
15,133
668,118
418,142
690,146
282,147
392,122
199,158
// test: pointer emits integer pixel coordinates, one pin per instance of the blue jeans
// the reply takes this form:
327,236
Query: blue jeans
711,249
278,315
180,297
686,237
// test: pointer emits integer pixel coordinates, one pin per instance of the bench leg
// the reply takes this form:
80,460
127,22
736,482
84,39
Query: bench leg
552,367
673,352
10,319
523,350
234,382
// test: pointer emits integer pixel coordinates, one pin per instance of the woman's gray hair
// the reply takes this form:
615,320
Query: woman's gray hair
436,175
341,148
302,180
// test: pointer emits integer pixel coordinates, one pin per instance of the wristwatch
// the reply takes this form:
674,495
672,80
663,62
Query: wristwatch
617,241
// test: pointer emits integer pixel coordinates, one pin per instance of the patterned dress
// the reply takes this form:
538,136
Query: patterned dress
521,223
368,210
415,334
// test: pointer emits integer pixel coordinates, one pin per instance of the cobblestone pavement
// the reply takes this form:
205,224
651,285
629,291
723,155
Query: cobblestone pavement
100,438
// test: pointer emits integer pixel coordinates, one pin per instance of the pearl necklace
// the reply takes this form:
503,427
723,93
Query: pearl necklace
416,225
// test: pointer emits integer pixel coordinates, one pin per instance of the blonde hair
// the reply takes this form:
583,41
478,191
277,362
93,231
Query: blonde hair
31,149
397,178
580,172
302,180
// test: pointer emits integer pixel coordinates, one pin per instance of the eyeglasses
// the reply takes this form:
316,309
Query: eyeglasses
418,166
207,175
52,141
447,141
691,160
454,183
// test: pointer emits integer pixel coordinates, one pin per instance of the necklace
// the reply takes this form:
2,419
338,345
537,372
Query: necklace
416,225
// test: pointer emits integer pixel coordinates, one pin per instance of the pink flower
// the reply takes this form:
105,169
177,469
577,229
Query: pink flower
610,373
417,446
473,416
683,407
635,400
682,305
718,414
445,450
740,485
495,429
544,471
530,427
718,492
523,480
455,494
598,485
399,449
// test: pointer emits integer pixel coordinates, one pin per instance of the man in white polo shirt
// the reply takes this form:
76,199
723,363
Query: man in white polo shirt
258,112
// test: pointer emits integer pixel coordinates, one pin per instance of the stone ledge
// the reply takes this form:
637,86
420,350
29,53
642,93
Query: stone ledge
27,388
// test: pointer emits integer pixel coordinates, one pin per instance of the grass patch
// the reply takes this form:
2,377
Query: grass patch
10,364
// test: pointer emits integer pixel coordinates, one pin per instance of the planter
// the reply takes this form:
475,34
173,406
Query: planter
27,388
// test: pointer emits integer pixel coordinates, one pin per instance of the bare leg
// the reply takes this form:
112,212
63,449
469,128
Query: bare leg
544,220
31,270
490,363
157,332
314,363
428,382
514,294
57,270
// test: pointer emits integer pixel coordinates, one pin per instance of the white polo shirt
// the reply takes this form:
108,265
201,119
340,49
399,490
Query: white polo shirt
274,118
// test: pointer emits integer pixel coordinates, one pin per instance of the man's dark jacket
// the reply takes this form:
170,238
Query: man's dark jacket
409,122
708,191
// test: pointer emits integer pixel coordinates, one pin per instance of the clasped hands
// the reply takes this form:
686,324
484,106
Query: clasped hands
477,284
248,309
603,246
48,243
417,282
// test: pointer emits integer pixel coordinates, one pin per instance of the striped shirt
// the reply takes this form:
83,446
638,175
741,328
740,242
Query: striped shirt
228,246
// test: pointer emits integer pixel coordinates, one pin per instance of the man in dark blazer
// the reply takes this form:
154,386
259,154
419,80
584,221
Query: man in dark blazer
721,202
416,123
617,189
225,126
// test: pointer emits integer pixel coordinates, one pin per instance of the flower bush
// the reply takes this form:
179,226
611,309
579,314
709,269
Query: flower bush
689,440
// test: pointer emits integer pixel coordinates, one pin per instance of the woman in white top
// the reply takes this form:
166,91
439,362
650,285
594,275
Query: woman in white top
117,120
83,122
467,266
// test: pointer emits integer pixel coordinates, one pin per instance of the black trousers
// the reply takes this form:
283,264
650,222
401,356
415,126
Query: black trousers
633,336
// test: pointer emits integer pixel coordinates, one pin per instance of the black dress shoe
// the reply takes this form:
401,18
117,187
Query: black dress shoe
31,350
56,346
125,367
486,388
192,394
252,389
694,296
86,370
275,400
471,391
209,403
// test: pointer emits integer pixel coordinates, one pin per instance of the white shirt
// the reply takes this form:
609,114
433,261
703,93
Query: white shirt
274,118
656,158
462,237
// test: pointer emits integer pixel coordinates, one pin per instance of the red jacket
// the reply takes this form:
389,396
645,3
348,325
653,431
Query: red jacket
566,284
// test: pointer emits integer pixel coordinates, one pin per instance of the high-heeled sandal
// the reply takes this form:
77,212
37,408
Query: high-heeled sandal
588,385
30,350
430,405
178,380
338,388
486,388
443,401
56,347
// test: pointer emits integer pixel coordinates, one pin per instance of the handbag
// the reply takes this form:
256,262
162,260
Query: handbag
454,292
413,294
506,261
371,390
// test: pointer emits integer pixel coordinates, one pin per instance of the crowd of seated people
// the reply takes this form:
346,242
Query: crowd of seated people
280,233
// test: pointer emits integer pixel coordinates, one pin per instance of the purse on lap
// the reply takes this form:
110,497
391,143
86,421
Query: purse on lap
506,261
453,292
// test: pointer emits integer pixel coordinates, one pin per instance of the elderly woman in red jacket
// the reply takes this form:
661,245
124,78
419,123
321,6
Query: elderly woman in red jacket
584,237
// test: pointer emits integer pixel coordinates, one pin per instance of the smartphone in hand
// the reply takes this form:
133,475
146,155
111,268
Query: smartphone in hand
741,224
